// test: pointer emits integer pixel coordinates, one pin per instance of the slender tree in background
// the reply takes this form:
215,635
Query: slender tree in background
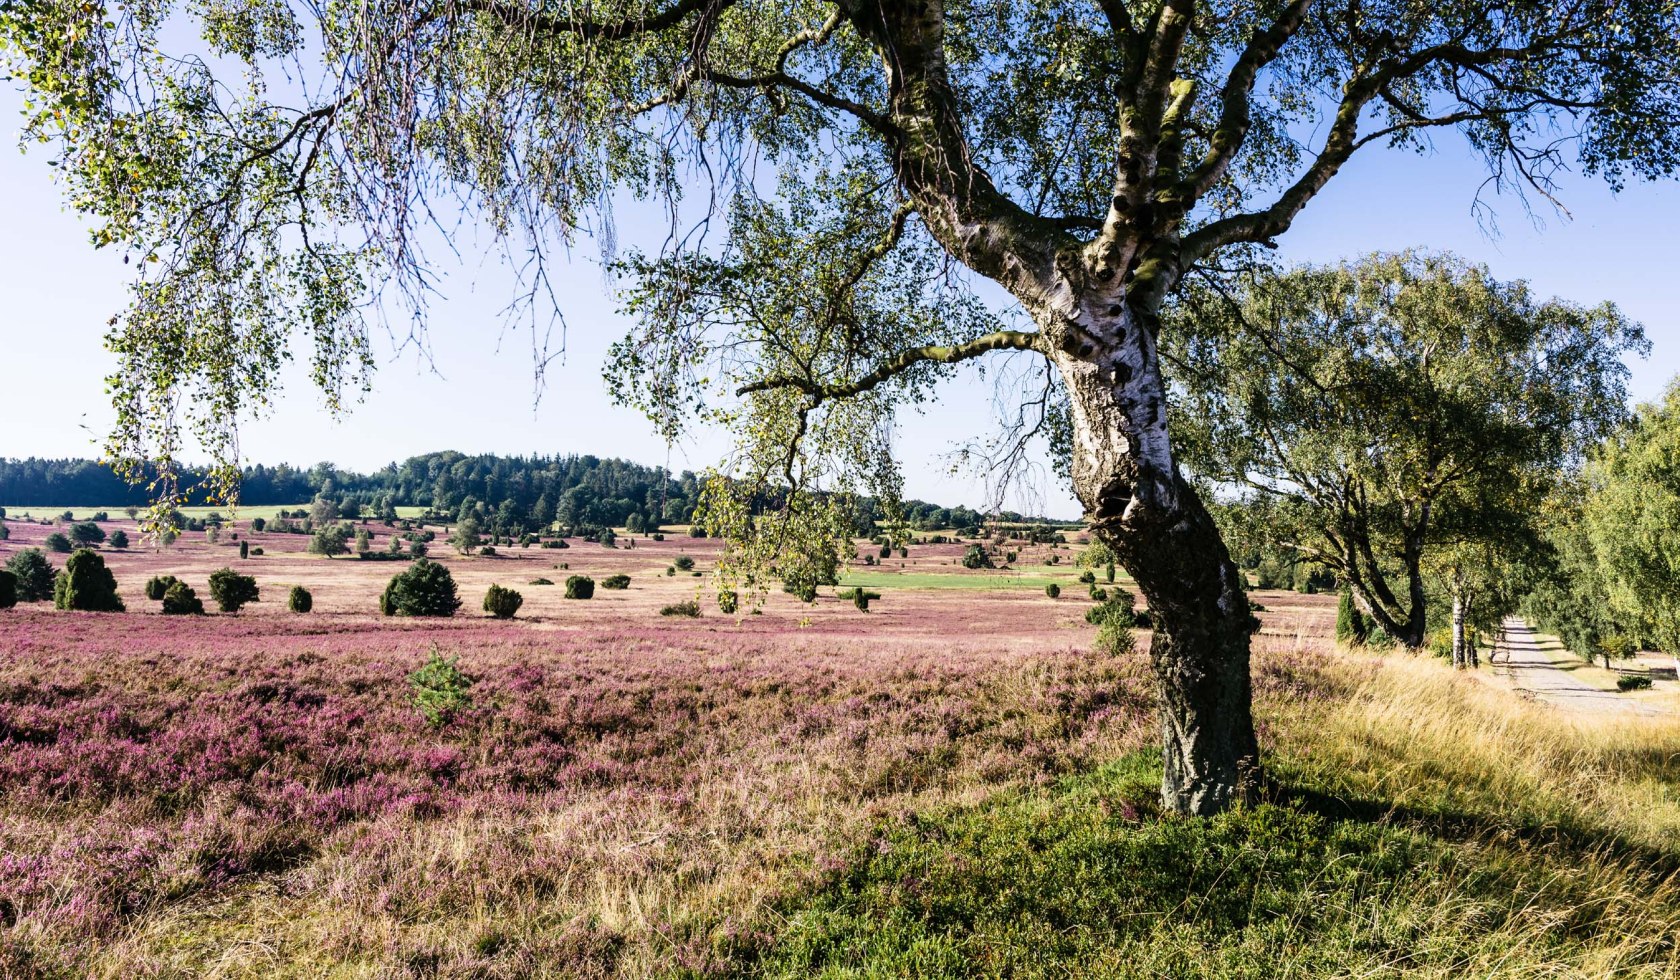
1085,157
1394,408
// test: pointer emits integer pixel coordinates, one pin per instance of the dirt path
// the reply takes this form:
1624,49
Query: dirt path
1544,673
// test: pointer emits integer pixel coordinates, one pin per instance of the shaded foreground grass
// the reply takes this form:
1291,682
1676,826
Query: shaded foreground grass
1389,844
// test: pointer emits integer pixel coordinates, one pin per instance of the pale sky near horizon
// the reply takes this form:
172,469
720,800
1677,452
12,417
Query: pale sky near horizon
57,293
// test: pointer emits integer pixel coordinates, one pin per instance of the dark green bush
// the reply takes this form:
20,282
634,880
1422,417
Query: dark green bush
502,603
1351,626
180,600
1053,590
86,534
231,590
86,584
257,551
157,585
542,581
34,575
1633,682
859,597
424,589
56,541
440,689
684,563
1088,577
8,589
299,600
619,582
244,548
580,587
976,557
119,540
688,607
670,571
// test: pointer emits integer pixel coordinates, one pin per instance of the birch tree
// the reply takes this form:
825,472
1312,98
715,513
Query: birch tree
270,167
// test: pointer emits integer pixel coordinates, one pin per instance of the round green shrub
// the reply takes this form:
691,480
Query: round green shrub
231,590
424,589
502,603
580,587
684,563
299,600
619,582
56,541
688,608
157,585
8,589
1088,577
1053,590
180,600
118,540
86,584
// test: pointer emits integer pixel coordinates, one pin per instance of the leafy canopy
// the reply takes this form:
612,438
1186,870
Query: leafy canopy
1394,411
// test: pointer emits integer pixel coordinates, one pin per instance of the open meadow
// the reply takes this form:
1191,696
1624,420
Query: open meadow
952,783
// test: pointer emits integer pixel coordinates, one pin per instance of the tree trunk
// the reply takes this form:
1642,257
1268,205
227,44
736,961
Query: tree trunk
1138,503
1460,656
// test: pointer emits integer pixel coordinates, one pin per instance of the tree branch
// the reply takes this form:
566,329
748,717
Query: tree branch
901,362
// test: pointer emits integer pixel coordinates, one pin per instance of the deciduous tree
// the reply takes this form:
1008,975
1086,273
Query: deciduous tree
1085,157
1392,408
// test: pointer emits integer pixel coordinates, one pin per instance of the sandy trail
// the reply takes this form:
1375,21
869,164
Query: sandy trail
1543,673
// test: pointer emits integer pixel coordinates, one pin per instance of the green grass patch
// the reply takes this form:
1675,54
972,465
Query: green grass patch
1089,879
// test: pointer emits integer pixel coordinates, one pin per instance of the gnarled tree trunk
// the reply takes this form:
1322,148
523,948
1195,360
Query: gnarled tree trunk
1138,503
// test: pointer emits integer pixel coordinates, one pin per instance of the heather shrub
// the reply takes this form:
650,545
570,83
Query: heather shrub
684,563
502,603
56,541
34,575
687,607
231,590
180,600
86,584
440,689
299,600
1053,590
119,540
8,589
424,589
580,587
619,582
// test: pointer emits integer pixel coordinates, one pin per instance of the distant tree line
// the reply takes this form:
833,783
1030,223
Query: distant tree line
524,491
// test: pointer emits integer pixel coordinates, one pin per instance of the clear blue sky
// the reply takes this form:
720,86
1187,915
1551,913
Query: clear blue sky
57,294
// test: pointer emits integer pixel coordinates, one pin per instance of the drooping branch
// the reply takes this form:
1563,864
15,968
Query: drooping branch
583,28
899,363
